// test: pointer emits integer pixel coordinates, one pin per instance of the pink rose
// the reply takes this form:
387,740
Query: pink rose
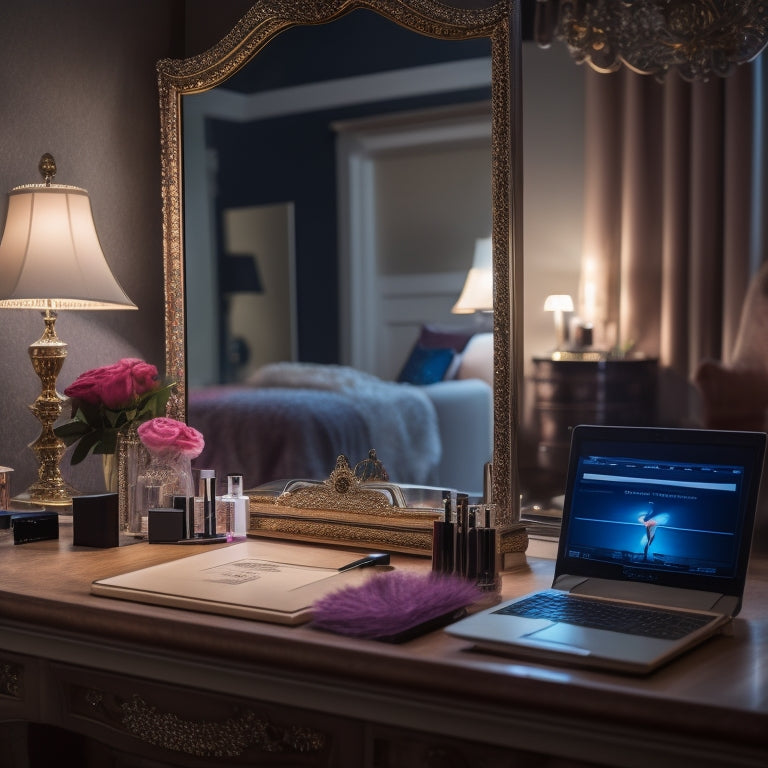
163,434
115,386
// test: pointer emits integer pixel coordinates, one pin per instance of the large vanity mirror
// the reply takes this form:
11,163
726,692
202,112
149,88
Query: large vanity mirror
257,38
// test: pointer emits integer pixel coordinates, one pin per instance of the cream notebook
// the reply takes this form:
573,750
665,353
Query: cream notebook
263,580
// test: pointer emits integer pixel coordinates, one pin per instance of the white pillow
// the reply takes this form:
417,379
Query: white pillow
477,359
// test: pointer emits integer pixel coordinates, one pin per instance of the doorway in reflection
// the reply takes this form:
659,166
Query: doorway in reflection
257,284
268,136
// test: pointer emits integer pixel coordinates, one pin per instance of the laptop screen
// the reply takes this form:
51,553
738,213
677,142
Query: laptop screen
668,506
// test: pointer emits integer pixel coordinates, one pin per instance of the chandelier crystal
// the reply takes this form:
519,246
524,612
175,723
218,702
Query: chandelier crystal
698,38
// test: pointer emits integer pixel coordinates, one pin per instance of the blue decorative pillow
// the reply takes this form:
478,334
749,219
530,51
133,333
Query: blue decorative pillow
426,365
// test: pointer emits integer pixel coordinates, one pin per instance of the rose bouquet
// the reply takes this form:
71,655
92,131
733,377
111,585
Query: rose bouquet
107,400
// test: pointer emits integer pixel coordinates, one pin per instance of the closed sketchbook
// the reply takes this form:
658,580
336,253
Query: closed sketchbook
263,580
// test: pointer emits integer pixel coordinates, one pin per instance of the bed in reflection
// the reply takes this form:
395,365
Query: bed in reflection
292,420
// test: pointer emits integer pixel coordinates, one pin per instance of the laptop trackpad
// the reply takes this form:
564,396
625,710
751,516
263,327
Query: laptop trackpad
571,638
584,641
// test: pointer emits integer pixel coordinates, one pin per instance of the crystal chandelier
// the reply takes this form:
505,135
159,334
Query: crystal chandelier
699,38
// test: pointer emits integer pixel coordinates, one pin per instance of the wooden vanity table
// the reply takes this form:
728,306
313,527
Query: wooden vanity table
185,688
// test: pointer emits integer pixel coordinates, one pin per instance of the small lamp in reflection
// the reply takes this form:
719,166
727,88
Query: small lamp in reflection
477,294
559,304
477,299
51,259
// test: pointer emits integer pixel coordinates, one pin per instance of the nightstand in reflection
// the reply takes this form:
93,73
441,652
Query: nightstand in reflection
578,390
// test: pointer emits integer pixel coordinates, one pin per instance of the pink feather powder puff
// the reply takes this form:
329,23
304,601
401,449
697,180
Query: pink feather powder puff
395,606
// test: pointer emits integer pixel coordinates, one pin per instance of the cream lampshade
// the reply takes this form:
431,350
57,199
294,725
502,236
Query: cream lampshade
477,294
51,259
477,298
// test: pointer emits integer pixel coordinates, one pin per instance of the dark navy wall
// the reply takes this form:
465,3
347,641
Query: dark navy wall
293,158
360,43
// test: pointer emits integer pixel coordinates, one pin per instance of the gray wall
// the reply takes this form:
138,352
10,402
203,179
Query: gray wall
553,189
77,79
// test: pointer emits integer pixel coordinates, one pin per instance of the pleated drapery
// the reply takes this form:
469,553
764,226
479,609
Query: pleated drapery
673,217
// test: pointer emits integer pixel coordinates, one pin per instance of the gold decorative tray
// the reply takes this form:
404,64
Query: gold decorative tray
345,509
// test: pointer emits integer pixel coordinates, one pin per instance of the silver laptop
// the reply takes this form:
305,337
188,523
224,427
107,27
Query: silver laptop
653,551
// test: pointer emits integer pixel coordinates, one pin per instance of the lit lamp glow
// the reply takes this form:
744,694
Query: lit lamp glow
559,303
51,259
477,294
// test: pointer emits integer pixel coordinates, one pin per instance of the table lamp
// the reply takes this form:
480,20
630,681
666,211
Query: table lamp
477,294
559,303
51,259
477,299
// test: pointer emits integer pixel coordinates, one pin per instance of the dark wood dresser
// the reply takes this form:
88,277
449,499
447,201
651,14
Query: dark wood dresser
578,390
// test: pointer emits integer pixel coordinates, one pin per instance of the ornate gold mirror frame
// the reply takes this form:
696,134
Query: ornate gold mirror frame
452,19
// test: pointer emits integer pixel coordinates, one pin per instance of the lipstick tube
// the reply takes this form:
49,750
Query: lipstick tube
208,497
487,575
462,527
471,557
443,540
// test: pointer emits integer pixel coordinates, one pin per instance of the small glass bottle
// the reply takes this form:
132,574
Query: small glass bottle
235,495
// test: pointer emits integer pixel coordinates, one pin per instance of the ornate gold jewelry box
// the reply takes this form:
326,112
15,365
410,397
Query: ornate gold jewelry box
346,510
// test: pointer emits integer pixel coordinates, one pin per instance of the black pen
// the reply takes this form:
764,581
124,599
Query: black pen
379,558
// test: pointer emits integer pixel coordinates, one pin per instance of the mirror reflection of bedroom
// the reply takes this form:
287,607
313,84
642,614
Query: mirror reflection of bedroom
331,221
373,258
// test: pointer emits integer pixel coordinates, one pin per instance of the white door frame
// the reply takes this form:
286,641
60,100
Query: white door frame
359,144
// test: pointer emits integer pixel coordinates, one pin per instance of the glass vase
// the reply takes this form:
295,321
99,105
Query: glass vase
168,474
133,459
121,470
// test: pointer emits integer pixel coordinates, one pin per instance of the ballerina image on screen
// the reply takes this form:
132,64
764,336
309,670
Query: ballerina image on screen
652,520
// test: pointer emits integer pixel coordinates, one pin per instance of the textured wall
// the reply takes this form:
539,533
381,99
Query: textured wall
208,22
77,79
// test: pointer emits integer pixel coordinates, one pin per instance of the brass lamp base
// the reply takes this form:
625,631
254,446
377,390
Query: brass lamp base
48,354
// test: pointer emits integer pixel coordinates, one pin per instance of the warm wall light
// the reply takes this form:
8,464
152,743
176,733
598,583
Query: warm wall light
477,294
559,303
51,259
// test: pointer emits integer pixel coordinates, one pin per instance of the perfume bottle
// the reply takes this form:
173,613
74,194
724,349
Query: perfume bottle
225,517
240,502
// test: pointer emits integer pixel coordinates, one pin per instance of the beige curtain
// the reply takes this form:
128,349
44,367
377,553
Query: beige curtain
672,217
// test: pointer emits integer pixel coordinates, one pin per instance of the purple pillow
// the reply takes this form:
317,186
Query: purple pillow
435,336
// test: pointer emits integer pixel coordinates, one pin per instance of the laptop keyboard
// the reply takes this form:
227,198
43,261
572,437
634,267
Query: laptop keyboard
602,614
